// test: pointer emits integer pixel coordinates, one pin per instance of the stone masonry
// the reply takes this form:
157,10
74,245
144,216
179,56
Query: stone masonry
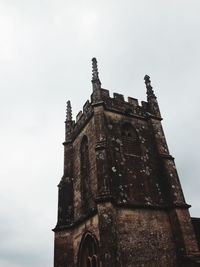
120,200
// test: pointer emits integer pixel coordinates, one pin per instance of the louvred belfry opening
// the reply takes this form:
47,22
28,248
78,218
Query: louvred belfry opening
130,141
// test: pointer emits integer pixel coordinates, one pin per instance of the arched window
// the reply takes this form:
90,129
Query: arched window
85,184
130,140
131,152
88,251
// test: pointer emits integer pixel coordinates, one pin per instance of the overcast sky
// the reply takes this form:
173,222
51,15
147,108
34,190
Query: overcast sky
46,48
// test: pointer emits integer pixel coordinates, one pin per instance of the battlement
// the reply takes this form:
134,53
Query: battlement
82,117
117,103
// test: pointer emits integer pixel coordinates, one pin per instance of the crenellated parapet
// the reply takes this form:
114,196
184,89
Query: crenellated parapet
82,118
116,104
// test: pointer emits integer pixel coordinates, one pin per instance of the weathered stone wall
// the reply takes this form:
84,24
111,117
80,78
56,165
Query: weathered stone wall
107,235
63,249
145,239
90,225
67,242
88,130
196,225
135,179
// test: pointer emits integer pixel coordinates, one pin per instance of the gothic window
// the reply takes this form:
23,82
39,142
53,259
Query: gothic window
88,252
130,141
131,152
85,183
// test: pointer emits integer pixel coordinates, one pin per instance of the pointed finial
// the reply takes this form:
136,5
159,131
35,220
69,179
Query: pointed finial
69,111
150,92
95,75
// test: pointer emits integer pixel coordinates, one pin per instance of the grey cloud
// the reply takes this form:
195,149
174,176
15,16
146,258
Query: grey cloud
45,53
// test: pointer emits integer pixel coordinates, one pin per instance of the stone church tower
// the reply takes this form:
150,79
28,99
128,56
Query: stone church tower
120,200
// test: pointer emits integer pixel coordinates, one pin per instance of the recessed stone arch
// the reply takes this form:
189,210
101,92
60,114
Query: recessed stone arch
88,251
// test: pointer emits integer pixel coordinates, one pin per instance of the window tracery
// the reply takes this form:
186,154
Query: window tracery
88,252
